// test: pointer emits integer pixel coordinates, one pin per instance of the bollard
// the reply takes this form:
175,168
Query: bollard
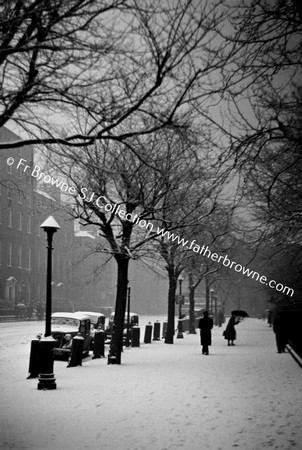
34,360
179,328
135,336
148,334
76,353
99,344
165,325
156,331
47,379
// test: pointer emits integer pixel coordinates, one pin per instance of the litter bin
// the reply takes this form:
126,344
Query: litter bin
156,331
135,336
99,344
148,334
76,353
34,359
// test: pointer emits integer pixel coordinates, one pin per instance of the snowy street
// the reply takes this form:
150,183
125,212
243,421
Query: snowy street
161,396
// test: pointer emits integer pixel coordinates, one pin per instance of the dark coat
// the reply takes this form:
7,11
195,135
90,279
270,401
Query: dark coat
205,325
281,329
230,332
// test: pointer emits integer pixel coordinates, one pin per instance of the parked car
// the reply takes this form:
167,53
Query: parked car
97,322
97,319
67,323
134,321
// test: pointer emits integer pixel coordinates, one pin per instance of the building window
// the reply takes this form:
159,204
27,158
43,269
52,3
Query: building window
20,257
29,223
19,195
29,201
19,292
20,221
9,254
29,259
9,217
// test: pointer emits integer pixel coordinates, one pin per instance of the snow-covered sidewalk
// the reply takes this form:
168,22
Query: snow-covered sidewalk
161,397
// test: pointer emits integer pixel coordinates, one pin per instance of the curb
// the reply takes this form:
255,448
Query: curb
295,355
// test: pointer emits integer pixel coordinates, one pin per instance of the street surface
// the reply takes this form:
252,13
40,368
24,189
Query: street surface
162,397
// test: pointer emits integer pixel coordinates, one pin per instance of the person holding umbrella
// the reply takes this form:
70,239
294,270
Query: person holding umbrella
230,331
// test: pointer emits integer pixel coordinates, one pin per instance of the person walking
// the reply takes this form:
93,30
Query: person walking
205,325
280,327
230,331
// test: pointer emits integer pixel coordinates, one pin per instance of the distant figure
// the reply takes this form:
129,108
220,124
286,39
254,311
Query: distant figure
205,325
270,317
29,311
230,332
280,328
39,311
220,318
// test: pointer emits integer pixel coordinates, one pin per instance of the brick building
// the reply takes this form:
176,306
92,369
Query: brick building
83,276
23,207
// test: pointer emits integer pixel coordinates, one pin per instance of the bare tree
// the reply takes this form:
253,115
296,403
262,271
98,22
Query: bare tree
47,49
127,198
216,232
273,187
103,64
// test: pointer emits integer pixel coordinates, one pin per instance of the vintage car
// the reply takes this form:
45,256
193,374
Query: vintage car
97,322
66,324
133,321
97,319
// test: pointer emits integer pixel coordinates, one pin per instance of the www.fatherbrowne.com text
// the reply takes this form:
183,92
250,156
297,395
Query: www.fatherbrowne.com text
191,245
103,203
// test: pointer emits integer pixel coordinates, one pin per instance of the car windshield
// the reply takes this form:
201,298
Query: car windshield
65,321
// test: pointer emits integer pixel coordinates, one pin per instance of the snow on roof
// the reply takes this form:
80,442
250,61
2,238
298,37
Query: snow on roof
76,315
90,313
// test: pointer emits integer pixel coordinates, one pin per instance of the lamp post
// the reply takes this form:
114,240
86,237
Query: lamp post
46,376
211,301
180,330
50,226
59,287
128,316
180,279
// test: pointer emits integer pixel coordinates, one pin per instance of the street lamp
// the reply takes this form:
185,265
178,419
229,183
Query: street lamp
180,279
180,330
50,226
214,299
128,316
46,376
211,300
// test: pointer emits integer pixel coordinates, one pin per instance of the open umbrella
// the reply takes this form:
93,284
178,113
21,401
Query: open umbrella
240,313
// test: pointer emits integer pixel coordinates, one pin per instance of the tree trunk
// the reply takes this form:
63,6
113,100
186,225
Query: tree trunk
171,307
207,294
192,288
116,345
